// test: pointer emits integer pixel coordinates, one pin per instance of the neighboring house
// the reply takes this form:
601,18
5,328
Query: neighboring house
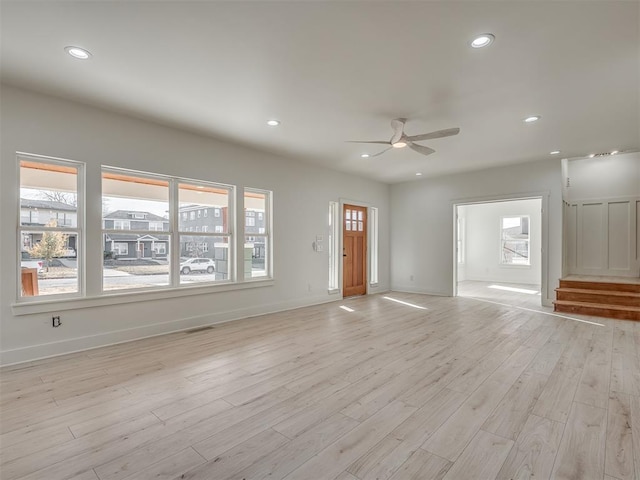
198,219
41,213
140,242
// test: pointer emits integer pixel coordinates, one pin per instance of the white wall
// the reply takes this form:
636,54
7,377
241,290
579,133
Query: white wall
422,221
43,125
602,216
482,242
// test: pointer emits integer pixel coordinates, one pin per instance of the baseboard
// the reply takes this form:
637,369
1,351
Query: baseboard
412,289
79,344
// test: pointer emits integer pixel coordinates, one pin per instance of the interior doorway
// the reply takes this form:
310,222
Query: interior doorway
499,254
354,250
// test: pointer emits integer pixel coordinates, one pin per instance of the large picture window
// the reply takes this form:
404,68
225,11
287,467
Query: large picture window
136,231
257,245
207,255
514,240
157,231
51,226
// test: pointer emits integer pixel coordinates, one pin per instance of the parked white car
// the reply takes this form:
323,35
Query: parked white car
197,265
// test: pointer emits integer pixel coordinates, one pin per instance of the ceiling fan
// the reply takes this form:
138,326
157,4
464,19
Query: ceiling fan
400,140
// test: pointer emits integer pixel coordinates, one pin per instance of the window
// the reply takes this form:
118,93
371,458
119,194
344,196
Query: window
51,227
514,241
204,212
145,263
216,212
373,241
184,215
333,245
199,213
212,240
257,246
156,226
121,248
460,240
121,225
192,215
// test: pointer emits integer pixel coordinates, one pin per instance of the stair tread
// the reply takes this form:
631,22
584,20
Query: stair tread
597,292
598,305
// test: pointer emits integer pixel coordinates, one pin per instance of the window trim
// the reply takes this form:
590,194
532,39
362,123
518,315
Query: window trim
501,247
267,235
79,230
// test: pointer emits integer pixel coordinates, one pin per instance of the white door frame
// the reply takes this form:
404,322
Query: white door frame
546,296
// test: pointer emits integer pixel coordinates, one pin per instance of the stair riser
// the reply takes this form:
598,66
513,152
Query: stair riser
599,298
598,312
604,286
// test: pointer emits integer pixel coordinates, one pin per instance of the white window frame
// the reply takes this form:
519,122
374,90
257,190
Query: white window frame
334,245
266,233
78,230
528,242
118,250
373,246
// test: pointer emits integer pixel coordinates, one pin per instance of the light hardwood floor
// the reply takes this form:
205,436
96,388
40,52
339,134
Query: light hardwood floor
458,389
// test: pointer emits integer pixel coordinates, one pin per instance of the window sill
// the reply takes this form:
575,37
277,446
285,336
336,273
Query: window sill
506,265
131,297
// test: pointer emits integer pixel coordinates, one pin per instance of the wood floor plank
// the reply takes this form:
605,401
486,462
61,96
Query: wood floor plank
300,449
238,458
453,436
338,456
635,431
581,453
422,465
171,467
555,400
482,458
512,412
535,450
619,443
431,392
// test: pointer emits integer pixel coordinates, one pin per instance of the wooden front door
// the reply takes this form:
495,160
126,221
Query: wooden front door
354,253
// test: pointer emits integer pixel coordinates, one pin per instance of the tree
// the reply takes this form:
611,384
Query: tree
60,197
50,246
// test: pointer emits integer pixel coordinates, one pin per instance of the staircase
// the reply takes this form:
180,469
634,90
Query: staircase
610,298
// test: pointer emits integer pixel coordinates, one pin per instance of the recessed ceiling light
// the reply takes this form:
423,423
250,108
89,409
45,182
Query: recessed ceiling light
365,155
592,155
482,40
614,152
77,52
399,144
273,123
418,174
555,152
532,118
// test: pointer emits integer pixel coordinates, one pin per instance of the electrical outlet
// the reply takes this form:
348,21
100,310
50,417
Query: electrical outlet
55,321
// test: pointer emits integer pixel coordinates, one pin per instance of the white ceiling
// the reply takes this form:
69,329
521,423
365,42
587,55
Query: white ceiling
337,71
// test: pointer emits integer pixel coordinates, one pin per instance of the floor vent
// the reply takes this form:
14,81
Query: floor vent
199,329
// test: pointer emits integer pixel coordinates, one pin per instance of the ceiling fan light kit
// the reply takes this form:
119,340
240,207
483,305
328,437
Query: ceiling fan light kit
399,139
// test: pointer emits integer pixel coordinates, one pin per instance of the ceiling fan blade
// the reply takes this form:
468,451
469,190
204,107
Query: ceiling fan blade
439,134
421,149
398,129
368,141
380,153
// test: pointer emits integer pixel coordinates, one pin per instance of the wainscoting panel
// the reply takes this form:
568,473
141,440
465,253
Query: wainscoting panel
602,237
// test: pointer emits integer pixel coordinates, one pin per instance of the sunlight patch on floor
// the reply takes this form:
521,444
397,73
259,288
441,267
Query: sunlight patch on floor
539,311
514,289
405,303
343,307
